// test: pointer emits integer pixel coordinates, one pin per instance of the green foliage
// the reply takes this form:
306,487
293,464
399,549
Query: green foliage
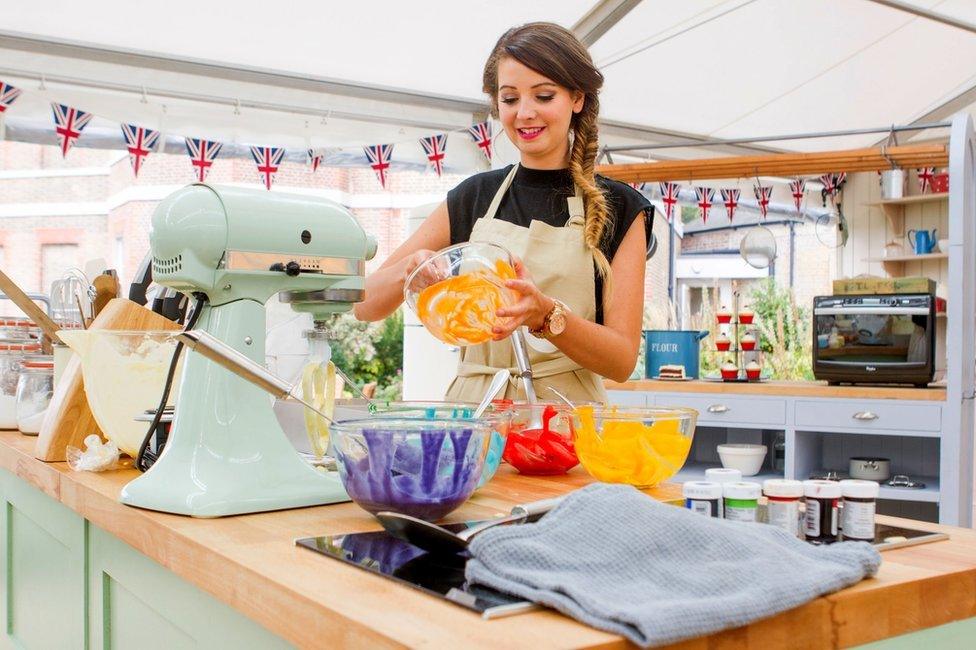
784,331
689,213
371,352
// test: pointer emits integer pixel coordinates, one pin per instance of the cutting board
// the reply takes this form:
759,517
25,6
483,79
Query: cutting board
68,419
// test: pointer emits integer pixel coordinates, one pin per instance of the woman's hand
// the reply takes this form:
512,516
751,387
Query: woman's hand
531,308
410,264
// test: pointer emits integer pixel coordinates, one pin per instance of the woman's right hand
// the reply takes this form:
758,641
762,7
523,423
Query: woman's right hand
410,264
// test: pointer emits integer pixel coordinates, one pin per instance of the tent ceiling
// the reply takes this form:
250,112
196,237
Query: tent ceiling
674,68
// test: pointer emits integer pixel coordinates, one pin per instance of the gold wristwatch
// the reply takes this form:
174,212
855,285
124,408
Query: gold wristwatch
554,323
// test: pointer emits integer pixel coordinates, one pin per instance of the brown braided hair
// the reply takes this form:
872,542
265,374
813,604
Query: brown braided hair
555,52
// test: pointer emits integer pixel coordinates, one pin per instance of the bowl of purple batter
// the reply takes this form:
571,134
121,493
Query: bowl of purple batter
425,468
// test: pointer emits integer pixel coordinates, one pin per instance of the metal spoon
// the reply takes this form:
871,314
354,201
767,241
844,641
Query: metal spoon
497,382
437,539
525,372
563,398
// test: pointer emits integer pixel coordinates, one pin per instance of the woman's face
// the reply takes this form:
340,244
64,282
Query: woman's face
535,113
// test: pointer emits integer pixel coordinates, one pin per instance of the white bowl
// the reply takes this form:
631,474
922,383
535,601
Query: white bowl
748,459
944,245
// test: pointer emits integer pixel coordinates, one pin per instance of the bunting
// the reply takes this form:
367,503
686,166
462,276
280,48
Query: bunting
314,160
832,183
705,196
797,187
268,160
202,155
140,142
481,133
925,176
731,200
763,194
435,146
8,94
379,159
68,124
669,195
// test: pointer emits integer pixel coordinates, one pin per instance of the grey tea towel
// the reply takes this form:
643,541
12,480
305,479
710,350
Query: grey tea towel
620,561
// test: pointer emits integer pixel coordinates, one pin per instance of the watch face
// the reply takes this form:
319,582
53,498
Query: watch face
557,323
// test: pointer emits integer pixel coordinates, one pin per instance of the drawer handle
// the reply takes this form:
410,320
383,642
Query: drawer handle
865,416
718,408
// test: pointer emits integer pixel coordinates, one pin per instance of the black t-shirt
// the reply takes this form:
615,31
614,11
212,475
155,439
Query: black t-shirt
541,194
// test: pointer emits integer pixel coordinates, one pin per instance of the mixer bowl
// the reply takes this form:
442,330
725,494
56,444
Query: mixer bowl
539,451
456,292
124,373
634,445
425,468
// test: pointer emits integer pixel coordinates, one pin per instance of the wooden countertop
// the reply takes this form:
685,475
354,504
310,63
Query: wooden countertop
935,393
252,563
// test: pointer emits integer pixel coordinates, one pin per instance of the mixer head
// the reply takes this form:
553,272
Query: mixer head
235,243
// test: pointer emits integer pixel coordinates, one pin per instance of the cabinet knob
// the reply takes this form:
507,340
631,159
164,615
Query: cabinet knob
865,416
718,408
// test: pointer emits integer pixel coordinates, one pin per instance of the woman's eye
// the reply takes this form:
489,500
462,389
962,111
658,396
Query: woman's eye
509,100
545,98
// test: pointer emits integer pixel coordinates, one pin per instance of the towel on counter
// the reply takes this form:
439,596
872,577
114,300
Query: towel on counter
613,558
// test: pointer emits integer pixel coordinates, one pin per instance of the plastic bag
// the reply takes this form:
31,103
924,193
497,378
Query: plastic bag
98,456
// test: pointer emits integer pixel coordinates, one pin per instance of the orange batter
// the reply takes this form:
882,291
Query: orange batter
460,310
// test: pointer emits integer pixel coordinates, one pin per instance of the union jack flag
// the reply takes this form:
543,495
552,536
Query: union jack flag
202,155
68,124
925,176
140,142
669,195
832,183
797,187
8,94
731,200
481,133
268,159
379,159
435,147
705,196
314,159
763,195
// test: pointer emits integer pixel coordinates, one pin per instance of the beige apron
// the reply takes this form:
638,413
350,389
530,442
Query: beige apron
561,265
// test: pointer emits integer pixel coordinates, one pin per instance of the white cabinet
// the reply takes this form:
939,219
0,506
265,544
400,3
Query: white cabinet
870,415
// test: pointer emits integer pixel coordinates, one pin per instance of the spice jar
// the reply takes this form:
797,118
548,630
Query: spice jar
722,475
741,500
703,497
35,385
783,504
12,352
857,517
820,523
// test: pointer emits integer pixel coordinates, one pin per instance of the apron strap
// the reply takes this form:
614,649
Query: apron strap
542,369
500,194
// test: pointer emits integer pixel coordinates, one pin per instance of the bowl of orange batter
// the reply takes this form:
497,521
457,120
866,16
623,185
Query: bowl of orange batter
635,445
456,292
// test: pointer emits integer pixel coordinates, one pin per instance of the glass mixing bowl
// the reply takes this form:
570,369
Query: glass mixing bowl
456,292
635,445
539,451
425,468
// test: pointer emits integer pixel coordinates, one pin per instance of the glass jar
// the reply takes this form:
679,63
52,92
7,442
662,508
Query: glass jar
12,352
35,385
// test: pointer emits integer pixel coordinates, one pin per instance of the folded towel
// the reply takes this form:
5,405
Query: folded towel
620,561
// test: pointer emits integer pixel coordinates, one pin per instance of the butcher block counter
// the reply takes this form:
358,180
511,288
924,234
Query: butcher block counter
935,393
115,576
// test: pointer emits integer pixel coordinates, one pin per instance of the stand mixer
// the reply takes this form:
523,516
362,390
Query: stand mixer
226,452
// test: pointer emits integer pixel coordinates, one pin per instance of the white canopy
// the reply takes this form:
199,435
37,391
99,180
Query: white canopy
323,74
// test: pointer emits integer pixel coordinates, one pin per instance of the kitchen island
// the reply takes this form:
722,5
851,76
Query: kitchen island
81,570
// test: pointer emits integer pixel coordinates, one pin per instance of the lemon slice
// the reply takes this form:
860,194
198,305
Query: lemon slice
318,389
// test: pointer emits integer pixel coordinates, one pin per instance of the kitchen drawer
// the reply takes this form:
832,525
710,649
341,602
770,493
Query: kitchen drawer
719,410
868,415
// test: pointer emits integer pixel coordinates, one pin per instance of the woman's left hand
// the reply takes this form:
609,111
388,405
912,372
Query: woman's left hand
530,309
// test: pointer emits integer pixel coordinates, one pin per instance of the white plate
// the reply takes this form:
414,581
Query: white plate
659,378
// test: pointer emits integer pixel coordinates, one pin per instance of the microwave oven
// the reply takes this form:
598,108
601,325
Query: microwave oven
887,339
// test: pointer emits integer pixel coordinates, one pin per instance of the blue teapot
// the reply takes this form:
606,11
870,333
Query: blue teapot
922,241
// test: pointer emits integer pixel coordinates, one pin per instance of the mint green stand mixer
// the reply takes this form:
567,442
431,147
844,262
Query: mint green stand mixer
226,452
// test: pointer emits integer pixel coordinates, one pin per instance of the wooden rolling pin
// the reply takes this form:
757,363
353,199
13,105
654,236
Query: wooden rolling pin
29,307
68,419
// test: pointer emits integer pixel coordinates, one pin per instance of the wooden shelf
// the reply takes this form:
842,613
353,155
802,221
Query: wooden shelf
909,258
911,200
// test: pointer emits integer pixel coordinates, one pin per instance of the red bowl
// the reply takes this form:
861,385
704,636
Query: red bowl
724,318
753,375
540,452
730,374
723,346
748,345
746,319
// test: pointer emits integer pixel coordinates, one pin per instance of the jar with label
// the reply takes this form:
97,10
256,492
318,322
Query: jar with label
857,516
783,504
722,475
741,500
820,523
35,386
702,497
12,352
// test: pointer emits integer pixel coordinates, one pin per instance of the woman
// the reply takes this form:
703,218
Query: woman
577,239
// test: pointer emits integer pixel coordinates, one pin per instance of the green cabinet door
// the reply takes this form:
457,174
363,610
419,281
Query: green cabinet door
136,603
42,568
